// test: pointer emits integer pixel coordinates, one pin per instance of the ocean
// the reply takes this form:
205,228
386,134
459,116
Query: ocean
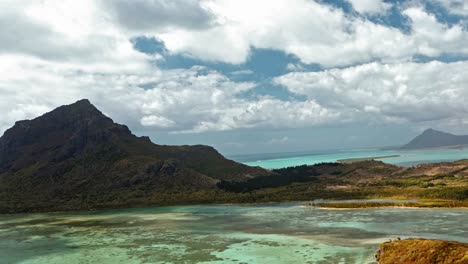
405,157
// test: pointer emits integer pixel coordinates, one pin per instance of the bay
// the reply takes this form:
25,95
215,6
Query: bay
268,233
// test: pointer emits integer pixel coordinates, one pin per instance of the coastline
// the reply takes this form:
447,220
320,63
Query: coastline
357,204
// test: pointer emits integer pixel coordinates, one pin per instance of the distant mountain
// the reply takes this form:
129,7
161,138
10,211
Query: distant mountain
76,158
434,139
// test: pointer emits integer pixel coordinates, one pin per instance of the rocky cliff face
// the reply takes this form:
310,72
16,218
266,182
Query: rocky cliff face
77,158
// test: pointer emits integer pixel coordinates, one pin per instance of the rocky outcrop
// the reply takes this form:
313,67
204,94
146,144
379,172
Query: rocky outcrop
422,251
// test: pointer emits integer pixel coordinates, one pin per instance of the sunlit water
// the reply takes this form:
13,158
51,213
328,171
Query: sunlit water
406,158
281,233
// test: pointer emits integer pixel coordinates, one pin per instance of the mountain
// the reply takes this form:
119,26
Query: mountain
434,139
76,158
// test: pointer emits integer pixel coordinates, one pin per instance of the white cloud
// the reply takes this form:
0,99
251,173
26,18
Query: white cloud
188,101
220,30
314,32
266,113
400,92
156,121
433,38
294,26
72,34
372,7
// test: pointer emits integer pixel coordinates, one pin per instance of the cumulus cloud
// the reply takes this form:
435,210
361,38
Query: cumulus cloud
57,52
400,92
434,38
182,101
267,113
70,33
314,32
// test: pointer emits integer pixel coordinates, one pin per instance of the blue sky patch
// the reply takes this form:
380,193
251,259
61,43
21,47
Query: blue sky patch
261,66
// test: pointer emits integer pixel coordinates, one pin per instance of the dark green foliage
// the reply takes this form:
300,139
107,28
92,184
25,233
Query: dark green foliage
455,193
282,177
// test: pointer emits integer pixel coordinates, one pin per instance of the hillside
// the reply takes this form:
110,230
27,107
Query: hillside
435,139
76,158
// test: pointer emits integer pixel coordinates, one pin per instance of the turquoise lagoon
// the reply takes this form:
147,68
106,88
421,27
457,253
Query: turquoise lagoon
406,157
275,233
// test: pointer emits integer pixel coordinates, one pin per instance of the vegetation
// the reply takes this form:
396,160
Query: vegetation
281,177
422,251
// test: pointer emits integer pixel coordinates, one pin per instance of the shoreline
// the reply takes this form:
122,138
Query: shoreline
383,207
335,205
433,204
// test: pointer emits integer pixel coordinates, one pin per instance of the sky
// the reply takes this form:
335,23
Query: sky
245,76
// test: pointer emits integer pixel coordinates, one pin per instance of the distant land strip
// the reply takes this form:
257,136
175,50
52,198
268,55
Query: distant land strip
351,160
